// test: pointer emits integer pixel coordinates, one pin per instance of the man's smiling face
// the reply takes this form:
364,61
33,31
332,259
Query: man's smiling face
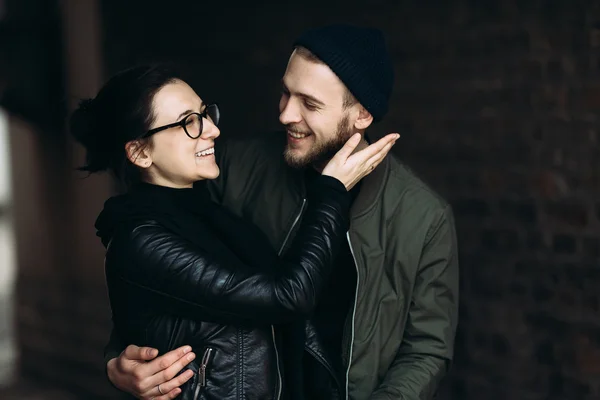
312,109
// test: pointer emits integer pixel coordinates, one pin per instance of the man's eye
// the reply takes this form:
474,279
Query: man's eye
310,106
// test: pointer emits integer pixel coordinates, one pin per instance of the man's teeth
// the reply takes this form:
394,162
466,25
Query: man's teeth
297,135
206,152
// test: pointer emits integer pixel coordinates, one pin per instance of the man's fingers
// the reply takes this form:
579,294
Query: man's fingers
135,353
167,375
349,147
170,388
167,360
176,382
154,394
171,395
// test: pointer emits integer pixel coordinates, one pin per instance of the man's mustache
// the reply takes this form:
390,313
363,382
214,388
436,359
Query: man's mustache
296,130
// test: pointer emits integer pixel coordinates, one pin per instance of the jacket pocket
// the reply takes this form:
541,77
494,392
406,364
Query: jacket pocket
203,371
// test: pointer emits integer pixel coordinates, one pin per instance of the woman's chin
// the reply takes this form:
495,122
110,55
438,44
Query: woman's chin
208,174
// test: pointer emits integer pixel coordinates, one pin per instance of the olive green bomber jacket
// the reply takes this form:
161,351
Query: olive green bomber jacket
399,337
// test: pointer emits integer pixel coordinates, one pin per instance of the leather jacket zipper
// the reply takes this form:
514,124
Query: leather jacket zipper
240,368
319,359
287,237
202,371
348,326
345,339
327,366
351,346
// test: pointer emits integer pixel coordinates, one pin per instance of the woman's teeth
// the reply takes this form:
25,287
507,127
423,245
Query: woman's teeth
206,152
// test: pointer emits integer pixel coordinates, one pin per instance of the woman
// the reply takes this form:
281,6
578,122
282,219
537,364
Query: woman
179,268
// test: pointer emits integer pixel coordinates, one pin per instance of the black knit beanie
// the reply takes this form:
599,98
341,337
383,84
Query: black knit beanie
358,56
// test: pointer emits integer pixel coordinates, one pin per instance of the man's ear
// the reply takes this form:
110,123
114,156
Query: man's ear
138,153
364,120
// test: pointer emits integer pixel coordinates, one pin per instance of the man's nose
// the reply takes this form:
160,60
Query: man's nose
290,113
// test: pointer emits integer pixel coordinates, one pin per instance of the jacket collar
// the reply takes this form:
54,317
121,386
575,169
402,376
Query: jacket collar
371,189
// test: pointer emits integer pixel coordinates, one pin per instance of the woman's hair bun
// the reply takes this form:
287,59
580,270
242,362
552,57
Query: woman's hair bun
84,127
81,124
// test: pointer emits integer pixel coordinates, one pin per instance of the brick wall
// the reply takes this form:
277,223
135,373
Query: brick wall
497,103
500,104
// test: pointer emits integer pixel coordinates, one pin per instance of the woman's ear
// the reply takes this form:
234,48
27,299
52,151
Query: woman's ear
364,120
138,153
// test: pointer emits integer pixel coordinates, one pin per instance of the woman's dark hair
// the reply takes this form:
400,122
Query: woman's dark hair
121,112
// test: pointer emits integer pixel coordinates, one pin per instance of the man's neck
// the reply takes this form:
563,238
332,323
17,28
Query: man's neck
362,145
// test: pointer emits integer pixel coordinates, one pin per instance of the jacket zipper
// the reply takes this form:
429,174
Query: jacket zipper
287,237
279,380
325,364
316,357
240,349
353,315
202,371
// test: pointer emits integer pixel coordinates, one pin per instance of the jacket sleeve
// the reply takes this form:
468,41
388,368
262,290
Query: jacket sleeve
114,347
191,282
428,345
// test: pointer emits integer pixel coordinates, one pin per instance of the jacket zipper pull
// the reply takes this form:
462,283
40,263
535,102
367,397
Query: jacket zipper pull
204,365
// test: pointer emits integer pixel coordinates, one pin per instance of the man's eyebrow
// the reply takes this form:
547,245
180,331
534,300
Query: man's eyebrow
311,98
305,96
187,112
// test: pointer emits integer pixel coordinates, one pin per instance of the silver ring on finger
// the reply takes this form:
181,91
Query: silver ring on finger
160,390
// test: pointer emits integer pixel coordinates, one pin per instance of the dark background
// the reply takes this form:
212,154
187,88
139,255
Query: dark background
497,103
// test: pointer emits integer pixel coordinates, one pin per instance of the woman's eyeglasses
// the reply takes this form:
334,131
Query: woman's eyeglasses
193,123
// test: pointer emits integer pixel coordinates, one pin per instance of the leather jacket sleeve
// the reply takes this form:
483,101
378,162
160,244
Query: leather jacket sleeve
114,347
193,282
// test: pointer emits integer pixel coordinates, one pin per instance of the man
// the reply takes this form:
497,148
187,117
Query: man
385,327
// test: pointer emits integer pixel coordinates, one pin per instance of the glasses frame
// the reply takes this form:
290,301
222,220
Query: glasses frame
203,115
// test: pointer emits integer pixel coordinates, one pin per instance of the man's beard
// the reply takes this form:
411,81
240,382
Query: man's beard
322,152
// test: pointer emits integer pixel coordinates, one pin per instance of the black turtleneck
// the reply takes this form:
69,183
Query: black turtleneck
181,210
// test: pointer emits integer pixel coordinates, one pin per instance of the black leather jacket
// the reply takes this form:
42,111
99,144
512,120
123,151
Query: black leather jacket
165,292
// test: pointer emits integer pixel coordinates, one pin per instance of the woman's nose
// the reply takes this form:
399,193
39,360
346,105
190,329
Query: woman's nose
210,130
